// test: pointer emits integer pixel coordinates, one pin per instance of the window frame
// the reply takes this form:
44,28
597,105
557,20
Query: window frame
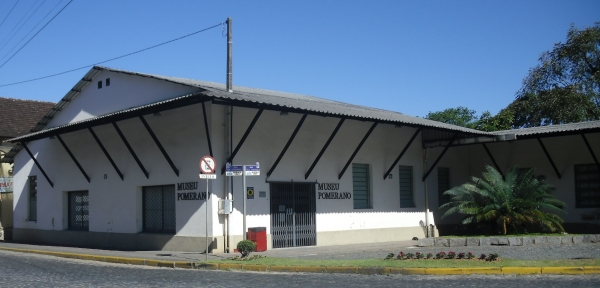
441,198
369,193
162,230
411,188
71,225
32,196
578,191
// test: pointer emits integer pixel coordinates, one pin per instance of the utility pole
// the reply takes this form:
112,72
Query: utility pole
229,60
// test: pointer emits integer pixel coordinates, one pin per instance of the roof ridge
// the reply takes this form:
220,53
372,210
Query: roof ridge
26,100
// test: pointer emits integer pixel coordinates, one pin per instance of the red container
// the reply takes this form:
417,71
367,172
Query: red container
258,235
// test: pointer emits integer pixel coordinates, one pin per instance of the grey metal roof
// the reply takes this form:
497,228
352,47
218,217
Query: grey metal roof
553,129
303,102
275,99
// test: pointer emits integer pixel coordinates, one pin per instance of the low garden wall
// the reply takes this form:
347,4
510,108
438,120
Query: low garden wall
507,241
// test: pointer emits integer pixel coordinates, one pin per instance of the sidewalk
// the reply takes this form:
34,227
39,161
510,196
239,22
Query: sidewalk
192,260
297,252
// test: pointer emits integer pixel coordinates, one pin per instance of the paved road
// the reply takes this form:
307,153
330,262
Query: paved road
31,270
354,251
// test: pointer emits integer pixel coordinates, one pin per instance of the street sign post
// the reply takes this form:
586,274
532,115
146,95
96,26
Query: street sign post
207,167
243,170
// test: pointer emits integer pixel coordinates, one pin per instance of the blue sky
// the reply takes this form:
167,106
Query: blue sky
411,57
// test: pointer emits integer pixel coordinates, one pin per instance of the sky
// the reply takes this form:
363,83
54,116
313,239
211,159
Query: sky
411,57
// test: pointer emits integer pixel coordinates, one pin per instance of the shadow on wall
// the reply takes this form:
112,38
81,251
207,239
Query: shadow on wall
115,241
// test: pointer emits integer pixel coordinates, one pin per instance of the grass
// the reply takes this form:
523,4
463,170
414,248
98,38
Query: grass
508,235
447,263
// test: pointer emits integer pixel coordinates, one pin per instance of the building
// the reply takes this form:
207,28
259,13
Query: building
116,166
17,117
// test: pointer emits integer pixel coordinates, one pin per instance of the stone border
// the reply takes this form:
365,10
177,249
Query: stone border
508,241
323,269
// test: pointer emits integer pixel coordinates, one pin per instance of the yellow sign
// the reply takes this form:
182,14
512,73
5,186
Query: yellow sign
250,192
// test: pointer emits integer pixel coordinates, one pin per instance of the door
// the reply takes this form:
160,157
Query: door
293,214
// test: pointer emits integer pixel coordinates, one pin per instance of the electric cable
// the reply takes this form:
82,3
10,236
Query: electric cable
111,59
20,20
23,24
34,27
35,35
11,9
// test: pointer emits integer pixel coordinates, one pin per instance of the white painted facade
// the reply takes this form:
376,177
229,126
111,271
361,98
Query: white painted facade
115,205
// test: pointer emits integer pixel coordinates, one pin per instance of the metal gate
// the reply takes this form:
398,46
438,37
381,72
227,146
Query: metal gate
293,214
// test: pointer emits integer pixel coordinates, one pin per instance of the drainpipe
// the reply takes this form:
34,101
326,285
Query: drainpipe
426,195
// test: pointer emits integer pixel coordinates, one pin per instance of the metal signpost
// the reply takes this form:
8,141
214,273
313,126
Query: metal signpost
207,167
243,170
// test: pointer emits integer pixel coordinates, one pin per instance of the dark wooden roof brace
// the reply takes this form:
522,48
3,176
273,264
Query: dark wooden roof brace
401,153
239,145
493,160
356,150
549,158
287,145
37,164
137,160
160,147
206,129
591,151
324,148
73,157
105,152
440,157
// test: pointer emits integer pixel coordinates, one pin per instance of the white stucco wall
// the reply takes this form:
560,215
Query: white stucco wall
125,91
116,205
566,152
270,135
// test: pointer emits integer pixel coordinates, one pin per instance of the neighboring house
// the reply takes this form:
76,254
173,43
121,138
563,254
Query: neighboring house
17,117
115,164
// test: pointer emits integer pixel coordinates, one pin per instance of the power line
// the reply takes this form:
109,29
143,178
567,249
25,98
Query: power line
11,9
35,35
20,20
23,24
34,27
111,59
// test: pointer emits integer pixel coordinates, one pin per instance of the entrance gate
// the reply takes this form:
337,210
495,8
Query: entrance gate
293,214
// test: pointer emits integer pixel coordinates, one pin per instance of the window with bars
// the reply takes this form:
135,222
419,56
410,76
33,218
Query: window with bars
79,218
361,186
32,198
443,185
159,208
406,187
587,186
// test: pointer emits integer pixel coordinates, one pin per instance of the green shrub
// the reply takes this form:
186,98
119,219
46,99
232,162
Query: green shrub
246,247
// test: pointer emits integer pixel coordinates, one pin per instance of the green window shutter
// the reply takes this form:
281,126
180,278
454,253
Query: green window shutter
443,185
587,186
32,199
361,186
406,187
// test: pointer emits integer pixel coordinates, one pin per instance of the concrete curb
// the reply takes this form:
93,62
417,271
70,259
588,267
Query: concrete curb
587,270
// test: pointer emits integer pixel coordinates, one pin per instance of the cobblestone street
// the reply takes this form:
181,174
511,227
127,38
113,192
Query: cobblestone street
31,270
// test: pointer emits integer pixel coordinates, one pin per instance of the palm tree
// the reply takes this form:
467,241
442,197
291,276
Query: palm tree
518,203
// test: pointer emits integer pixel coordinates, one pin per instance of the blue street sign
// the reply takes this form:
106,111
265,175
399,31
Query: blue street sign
234,168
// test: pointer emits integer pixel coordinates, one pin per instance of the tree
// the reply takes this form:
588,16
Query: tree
565,86
463,116
460,116
501,121
518,203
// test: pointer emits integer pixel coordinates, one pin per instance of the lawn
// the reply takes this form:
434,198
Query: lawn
447,263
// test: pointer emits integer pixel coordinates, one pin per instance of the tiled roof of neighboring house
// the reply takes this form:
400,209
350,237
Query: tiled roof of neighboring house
18,117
